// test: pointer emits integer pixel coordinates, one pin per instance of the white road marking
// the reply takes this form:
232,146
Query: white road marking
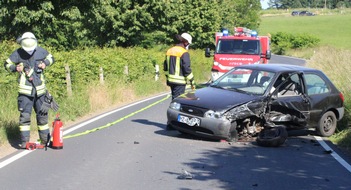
25,152
335,155
14,158
106,114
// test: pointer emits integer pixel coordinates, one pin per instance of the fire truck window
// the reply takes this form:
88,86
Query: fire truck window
225,47
250,47
238,46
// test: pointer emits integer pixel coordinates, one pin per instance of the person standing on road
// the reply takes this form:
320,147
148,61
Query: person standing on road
30,61
177,66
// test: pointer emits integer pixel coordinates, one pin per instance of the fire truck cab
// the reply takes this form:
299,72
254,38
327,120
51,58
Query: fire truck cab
244,47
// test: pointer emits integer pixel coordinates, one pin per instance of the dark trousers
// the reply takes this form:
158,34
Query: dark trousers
25,106
177,90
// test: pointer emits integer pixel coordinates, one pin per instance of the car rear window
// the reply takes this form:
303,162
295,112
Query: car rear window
315,84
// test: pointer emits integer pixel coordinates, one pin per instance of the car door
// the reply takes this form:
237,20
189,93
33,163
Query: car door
295,102
318,93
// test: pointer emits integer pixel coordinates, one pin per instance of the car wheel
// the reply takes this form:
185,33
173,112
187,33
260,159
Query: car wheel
327,124
272,137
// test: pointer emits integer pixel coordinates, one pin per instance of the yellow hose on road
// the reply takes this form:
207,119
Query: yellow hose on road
117,121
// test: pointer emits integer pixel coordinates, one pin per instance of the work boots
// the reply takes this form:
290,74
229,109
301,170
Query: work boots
24,140
44,136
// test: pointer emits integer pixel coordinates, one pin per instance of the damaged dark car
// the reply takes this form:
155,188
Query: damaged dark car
264,101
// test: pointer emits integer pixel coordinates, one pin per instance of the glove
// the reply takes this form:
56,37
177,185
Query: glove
54,106
48,103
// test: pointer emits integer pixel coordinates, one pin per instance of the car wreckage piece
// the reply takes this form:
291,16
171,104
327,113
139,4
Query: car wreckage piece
259,118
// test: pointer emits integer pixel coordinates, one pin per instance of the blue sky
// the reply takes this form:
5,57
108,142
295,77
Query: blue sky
264,4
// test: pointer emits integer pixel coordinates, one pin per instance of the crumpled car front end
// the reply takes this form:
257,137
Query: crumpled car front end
198,121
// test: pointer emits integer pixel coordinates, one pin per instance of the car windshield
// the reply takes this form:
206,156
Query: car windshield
247,81
238,46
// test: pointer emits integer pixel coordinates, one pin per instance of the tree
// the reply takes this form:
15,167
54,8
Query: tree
68,24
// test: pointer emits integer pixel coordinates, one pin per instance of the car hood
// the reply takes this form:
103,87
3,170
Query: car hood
215,98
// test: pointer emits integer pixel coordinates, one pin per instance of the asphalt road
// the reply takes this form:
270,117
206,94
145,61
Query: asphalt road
130,149
287,60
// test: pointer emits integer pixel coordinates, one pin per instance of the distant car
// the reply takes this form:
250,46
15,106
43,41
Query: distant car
295,13
263,101
306,13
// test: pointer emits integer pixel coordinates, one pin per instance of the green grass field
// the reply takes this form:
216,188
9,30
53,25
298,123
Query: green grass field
332,30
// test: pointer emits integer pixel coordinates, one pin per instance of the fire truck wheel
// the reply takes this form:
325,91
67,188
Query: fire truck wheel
272,137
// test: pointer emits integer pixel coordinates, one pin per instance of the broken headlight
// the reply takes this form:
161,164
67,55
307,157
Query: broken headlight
213,114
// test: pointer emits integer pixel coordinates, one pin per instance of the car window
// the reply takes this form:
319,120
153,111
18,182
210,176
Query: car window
236,78
315,84
288,84
245,80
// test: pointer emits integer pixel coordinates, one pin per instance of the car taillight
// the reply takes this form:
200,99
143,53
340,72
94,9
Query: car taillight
342,97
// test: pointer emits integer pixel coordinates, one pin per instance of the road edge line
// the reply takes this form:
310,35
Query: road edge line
334,154
65,132
14,158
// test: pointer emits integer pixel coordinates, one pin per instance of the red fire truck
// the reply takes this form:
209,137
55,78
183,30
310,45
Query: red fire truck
244,47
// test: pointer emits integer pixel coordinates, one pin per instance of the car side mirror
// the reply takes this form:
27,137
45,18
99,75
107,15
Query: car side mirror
207,52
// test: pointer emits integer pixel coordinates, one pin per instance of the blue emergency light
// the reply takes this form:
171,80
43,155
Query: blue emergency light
254,33
225,32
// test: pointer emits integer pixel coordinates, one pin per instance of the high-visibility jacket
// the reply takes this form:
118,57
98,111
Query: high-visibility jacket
32,83
177,66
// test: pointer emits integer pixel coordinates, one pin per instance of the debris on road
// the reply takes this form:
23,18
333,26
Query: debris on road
185,175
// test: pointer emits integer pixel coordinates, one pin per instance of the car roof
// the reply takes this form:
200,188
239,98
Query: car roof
277,67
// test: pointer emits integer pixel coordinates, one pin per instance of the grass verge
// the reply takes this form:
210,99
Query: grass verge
335,64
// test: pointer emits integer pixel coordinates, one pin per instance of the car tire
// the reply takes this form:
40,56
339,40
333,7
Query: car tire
272,137
327,124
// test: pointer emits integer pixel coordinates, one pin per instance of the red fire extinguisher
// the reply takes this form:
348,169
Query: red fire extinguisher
57,136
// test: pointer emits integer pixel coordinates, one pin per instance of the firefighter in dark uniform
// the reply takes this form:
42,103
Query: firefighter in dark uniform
177,66
30,61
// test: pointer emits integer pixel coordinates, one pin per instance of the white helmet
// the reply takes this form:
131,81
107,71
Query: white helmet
186,37
28,41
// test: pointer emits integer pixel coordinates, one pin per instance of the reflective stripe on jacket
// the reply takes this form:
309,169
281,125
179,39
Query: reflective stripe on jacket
31,80
177,66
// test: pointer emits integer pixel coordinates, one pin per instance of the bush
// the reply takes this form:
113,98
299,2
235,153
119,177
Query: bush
282,41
